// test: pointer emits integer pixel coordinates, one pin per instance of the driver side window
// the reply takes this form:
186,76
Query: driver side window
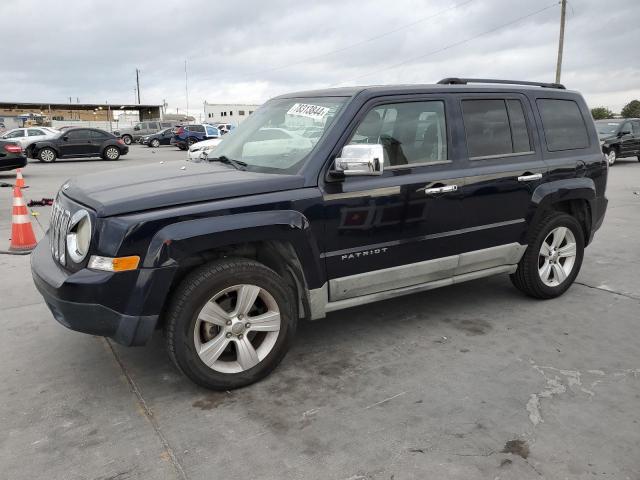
410,133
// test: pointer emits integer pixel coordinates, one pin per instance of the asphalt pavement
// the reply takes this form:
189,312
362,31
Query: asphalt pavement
473,381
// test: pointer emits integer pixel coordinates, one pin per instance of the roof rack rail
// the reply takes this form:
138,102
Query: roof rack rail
464,81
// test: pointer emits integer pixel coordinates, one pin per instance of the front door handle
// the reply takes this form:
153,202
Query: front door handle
445,189
530,178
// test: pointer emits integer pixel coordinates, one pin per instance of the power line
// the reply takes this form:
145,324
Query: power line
362,42
451,45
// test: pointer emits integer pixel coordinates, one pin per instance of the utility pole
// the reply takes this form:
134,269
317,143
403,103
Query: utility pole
138,84
186,84
563,11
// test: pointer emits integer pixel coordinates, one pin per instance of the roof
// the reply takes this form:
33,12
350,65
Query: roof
379,90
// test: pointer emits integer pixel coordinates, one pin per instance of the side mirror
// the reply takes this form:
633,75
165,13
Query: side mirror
360,159
622,134
136,127
65,138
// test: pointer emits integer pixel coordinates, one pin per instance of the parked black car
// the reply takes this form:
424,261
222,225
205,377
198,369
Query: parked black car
79,143
619,138
11,156
163,137
402,189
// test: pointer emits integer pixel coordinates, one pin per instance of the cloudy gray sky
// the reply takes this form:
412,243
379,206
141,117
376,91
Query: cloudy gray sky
250,50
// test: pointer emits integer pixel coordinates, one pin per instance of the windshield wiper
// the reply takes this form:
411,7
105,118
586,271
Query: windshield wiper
237,164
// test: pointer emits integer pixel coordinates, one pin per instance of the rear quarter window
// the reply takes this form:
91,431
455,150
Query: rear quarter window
563,124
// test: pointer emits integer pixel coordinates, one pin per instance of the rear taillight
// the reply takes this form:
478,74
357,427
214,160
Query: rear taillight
121,142
13,148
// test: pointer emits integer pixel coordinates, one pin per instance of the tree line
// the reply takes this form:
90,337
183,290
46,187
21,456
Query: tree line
630,110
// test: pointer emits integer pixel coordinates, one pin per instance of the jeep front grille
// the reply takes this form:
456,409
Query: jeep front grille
58,229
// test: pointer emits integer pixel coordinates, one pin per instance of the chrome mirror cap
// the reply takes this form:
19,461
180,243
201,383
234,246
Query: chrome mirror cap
361,159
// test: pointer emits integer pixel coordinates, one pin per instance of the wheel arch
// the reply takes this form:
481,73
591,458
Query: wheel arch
281,240
37,148
572,196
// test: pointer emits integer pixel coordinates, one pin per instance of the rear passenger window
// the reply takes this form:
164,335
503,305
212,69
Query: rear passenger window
495,127
564,127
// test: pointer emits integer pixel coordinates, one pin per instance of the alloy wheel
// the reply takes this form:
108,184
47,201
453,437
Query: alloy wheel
112,153
557,256
611,156
47,155
237,328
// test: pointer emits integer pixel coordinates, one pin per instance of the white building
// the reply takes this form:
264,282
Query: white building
234,113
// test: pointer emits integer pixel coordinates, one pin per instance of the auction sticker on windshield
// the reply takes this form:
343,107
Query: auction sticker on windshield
306,110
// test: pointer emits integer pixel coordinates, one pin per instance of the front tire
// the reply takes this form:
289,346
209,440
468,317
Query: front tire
553,258
612,156
47,155
155,143
111,153
230,323
127,139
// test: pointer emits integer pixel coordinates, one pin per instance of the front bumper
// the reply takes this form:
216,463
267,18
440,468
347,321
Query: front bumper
124,306
198,155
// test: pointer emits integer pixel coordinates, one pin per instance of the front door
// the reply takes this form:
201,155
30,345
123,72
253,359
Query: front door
504,168
394,230
627,140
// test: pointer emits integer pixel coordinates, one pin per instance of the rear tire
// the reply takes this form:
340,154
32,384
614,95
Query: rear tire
191,141
47,155
127,139
547,271
111,153
209,331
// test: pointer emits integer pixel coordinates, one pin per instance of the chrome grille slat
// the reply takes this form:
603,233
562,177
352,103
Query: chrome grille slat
60,219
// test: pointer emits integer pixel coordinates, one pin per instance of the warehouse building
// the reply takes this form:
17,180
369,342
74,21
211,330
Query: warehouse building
234,113
20,114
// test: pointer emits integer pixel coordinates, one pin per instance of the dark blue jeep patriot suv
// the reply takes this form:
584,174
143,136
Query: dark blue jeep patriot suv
324,200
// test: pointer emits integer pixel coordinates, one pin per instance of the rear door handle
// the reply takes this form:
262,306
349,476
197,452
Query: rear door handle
530,178
445,189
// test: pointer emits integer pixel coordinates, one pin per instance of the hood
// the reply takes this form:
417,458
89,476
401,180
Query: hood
214,142
158,185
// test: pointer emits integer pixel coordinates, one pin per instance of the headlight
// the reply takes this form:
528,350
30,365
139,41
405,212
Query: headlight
79,236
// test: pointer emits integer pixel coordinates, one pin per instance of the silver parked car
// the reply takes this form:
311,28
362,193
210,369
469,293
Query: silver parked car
27,137
142,129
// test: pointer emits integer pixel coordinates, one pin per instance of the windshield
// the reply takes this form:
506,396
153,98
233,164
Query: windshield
607,127
278,136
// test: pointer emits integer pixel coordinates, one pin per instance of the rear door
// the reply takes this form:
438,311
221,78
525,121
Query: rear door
505,166
35,135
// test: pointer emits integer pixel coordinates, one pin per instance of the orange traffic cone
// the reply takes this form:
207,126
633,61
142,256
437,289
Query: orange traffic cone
22,237
19,179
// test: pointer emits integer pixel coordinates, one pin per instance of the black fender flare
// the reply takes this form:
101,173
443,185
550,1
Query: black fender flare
547,194
181,240
37,147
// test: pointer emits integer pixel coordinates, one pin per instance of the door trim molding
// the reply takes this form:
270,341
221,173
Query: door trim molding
468,266
432,236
